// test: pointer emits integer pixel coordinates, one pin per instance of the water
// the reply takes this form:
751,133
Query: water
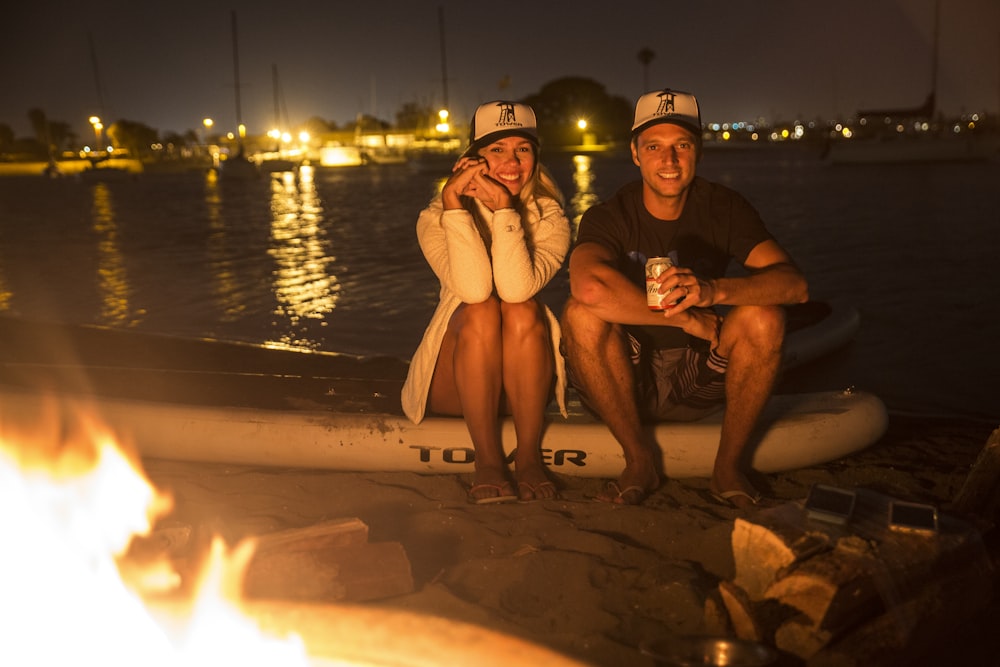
331,262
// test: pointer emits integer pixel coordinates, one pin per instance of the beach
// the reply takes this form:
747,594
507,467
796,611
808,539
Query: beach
588,580
301,263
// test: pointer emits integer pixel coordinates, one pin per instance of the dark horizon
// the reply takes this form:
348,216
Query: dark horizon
169,65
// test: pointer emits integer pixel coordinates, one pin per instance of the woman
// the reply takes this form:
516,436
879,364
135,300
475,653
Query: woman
495,236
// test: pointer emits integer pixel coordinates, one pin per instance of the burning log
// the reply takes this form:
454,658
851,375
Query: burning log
331,561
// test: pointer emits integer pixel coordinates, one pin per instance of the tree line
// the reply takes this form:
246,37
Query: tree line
559,104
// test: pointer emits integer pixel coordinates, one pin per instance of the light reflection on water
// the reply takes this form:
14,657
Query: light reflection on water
112,277
330,260
303,287
223,279
583,195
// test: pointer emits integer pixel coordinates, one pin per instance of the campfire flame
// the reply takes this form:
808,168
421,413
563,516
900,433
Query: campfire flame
71,504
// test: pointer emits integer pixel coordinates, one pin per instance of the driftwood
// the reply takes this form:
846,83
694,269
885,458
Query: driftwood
813,588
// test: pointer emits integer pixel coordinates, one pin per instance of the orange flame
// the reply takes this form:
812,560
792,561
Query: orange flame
71,502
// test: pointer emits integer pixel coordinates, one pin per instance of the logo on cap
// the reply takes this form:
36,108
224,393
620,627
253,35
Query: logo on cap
501,118
666,105
507,116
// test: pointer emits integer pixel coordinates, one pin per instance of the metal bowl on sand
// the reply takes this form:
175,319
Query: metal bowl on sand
691,651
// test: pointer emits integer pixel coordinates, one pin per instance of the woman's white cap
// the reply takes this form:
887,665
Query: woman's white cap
499,119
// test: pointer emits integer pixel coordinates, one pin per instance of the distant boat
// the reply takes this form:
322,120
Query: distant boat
340,156
383,156
107,170
912,134
275,165
107,174
888,150
277,161
239,166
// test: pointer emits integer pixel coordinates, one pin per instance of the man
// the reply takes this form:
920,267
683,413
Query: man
632,364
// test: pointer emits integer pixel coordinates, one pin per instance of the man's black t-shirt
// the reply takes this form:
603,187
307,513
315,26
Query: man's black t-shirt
716,226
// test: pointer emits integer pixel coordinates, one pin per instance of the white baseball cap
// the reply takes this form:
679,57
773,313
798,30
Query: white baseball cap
667,106
499,119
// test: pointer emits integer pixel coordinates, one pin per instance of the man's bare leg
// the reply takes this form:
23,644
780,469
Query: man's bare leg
600,357
751,338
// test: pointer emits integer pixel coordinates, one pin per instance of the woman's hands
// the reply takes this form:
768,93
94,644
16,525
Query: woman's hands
470,177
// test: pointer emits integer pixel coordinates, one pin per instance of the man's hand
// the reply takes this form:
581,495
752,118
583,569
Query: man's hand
686,290
702,323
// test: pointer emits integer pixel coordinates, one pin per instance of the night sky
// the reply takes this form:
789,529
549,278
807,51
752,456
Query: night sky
169,64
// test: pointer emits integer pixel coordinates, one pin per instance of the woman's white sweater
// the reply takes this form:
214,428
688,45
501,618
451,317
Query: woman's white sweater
525,254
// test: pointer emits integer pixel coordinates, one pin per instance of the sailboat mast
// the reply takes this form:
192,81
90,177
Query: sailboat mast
277,107
444,59
100,97
97,77
936,52
236,76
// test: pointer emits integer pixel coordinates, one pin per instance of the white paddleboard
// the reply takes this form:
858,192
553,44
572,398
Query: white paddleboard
215,401
798,430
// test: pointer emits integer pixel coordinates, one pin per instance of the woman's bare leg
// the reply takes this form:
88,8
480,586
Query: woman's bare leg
527,380
468,383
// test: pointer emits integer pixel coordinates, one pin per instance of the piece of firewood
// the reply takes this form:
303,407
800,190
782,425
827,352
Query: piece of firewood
378,571
980,493
337,533
923,618
352,574
752,620
834,588
716,617
330,561
167,539
800,637
769,543
741,615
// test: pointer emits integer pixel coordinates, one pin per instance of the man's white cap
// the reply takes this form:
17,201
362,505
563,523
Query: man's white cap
499,119
667,106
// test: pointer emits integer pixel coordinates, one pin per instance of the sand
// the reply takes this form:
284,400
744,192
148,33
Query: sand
586,579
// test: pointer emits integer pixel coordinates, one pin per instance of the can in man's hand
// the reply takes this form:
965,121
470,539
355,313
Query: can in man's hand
654,267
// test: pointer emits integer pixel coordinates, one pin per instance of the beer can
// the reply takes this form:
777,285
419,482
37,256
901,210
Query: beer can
655,266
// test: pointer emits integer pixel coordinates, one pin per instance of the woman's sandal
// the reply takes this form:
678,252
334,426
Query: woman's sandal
503,493
535,490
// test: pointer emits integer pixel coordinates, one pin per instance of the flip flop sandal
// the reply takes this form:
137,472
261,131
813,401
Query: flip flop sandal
535,488
504,494
725,498
630,495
